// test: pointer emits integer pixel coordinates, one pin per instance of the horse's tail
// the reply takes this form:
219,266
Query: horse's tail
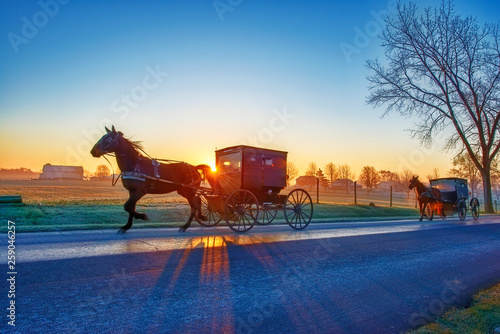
206,173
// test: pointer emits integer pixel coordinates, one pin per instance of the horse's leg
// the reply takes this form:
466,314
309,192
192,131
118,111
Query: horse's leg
443,214
432,211
189,194
134,197
426,204
422,210
195,204
184,227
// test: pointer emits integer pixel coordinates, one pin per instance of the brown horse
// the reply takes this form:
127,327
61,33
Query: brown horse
426,196
142,175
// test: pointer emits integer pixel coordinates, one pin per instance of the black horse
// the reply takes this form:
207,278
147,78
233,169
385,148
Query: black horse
426,196
142,175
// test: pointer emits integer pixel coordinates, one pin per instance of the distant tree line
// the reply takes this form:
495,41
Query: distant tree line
370,178
18,173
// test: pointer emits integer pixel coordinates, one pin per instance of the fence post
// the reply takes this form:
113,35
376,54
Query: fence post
390,204
496,206
317,190
355,194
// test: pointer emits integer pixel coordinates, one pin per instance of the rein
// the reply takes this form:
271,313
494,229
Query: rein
113,182
153,159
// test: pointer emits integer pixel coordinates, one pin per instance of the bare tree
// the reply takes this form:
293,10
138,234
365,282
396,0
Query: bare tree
369,177
345,174
312,168
464,167
331,171
495,184
404,181
86,173
445,69
102,171
495,177
433,175
292,171
388,176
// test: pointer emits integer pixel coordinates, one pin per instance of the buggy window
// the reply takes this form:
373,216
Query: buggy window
268,162
444,185
229,162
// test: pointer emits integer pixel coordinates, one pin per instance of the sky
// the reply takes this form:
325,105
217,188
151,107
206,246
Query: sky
188,77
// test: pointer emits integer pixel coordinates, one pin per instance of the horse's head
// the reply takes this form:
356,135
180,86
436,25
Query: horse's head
107,144
413,182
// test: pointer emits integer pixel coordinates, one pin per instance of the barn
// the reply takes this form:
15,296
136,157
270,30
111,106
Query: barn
306,181
55,172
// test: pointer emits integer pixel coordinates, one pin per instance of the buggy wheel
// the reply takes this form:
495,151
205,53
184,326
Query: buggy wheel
242,210
474,206
298,209
213,217
267,215
462,209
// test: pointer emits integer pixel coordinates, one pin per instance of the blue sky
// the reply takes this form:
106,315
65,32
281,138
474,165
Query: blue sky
186,77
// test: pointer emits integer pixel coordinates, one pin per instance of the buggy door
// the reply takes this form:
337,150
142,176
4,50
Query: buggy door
462,190
273,171
252,171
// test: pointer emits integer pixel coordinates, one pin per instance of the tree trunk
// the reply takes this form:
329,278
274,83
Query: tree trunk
488,198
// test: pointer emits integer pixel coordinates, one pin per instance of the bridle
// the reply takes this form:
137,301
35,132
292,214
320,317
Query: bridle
104,148
105,144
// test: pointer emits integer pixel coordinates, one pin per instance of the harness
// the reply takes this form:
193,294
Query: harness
137,175
427,193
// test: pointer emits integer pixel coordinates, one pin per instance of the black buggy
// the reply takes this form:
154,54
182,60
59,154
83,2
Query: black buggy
454,198
245,190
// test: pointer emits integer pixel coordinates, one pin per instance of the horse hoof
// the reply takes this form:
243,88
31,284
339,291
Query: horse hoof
182,229
146,218
121,231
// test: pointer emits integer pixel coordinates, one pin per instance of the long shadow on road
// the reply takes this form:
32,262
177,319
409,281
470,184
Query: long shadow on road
369,283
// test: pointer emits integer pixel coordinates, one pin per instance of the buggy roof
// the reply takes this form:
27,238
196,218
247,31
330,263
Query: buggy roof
248,148
449,178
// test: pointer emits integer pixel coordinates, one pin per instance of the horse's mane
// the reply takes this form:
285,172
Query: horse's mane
136,145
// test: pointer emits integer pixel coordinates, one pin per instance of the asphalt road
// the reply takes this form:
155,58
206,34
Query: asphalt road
378,277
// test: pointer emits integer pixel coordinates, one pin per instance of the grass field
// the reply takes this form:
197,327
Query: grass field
482,316
71,205
102,192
